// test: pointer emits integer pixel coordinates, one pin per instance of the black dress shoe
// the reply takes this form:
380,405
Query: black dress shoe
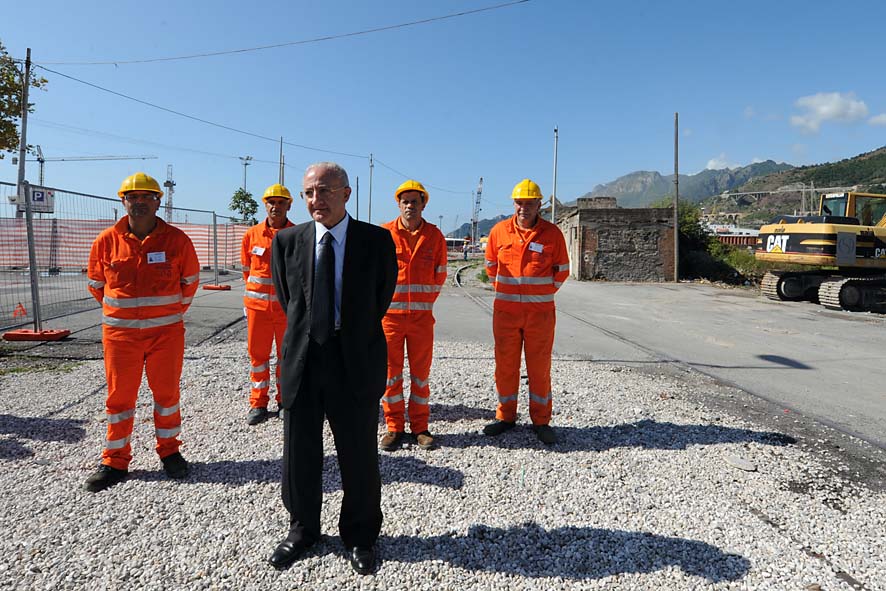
287,552
362,559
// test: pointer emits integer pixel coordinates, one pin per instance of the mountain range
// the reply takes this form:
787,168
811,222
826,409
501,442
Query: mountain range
867,171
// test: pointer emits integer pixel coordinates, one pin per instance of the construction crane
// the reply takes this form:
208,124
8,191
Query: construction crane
476,215
170,189
41,159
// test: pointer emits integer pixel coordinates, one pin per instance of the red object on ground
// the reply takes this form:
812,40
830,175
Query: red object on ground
25,334
217,287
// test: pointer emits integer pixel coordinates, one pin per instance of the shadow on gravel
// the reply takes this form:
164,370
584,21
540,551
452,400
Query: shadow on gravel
573,553
37,429
647,434
460,412
238,473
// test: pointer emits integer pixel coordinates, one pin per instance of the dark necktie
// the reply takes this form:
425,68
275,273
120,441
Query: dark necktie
323,302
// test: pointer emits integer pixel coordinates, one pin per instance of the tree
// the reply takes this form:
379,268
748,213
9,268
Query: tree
11,101
243,203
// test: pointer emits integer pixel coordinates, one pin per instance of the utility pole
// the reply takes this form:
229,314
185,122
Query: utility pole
554,198
676,198
23,137
170,189
440,227
281,160
245,160
371,166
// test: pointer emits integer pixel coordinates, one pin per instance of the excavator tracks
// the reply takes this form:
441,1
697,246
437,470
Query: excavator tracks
792,286
856,294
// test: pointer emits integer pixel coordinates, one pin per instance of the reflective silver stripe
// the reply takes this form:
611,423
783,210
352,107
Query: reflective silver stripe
504,399
261,296
165,411
526,299
393,380
540,399
95,284
190,279
417,288
441,268
394,399
558,284
258,368
411,306
418,382
490,263
187,301
260,280
121,416
524,280
413,399
144,323
167,433
116,443
245,268
558,268
141,302
260,385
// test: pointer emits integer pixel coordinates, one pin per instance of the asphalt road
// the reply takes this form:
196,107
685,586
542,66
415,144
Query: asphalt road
827,365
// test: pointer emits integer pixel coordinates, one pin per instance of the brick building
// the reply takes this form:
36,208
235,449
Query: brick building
611,243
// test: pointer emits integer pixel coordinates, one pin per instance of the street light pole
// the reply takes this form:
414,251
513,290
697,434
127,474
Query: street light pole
245,160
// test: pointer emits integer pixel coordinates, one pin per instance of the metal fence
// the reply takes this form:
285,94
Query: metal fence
64,225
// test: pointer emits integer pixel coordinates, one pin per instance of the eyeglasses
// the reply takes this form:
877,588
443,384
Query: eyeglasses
319,192
140,197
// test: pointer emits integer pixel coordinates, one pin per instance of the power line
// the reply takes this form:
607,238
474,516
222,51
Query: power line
291,43
193,118
406,176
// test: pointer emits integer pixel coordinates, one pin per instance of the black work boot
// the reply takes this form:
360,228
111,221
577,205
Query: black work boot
256,415
105,477
498,427
175,466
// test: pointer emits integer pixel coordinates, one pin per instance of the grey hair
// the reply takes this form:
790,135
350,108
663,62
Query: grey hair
333,167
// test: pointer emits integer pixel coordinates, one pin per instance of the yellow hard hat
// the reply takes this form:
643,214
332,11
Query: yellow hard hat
139,182
276,190
526,189
412,185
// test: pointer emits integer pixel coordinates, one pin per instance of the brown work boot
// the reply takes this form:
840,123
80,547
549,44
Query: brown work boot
391,441
425,440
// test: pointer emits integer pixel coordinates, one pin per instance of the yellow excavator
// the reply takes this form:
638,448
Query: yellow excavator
846,241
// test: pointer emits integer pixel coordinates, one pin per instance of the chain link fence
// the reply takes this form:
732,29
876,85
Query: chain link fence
64,225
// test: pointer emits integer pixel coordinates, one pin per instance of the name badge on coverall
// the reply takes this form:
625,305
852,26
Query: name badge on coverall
258,250
156,257
536,246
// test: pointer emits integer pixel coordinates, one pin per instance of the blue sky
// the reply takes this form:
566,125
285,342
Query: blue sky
452,100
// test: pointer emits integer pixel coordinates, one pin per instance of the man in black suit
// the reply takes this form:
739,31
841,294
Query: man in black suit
334,277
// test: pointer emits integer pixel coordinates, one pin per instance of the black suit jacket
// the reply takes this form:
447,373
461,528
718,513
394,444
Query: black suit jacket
369,276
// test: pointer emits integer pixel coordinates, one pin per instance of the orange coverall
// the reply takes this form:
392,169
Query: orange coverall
527,267
421,261
265,319
145,287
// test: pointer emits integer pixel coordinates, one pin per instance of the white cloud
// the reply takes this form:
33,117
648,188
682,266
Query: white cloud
720,162
749,112
757,160
827,106
878,119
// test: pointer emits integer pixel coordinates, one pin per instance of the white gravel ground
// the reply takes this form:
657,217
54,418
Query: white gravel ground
644,491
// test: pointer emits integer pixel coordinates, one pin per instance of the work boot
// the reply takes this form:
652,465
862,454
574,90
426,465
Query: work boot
498,427
425,440
545,434
391,441
256,415
105,477
175,466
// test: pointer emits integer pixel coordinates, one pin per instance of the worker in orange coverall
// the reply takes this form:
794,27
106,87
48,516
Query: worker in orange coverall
421,261
265,318
527,262
145,273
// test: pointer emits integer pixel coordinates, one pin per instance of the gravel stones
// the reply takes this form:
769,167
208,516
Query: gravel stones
640,492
